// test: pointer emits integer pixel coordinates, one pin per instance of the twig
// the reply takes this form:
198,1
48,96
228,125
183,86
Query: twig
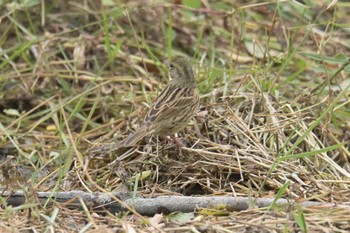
150,206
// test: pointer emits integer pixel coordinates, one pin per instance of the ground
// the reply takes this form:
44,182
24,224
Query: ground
273,122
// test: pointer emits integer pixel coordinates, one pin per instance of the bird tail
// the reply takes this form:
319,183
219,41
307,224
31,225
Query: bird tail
134,138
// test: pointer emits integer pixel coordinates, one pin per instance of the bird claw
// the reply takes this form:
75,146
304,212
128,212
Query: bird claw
175,140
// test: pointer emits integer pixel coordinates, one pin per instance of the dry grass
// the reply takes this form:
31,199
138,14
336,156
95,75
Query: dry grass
273,122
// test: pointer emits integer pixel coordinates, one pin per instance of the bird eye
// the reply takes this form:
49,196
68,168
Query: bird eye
171,66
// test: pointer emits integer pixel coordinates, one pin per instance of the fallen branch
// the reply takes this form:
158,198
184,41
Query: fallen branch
150,206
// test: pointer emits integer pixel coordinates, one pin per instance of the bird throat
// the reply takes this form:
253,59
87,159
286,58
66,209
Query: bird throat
183,82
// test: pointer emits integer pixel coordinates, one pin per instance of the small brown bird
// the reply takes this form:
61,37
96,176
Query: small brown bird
174,107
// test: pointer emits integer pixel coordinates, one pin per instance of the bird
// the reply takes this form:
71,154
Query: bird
175,106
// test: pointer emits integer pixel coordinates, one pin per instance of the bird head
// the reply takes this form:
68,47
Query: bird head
180,70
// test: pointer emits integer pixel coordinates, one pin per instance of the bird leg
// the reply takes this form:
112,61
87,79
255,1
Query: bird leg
175,140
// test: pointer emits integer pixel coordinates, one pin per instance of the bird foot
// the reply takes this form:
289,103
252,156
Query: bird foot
175,140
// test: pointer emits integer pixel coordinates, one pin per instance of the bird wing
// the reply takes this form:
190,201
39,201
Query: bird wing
170,103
